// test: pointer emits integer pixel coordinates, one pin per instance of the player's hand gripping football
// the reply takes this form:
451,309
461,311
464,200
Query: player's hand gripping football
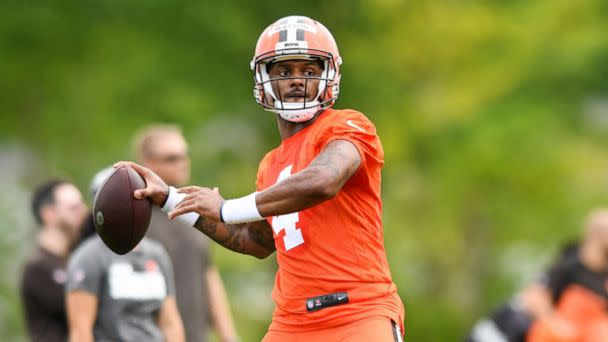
156,189
204,201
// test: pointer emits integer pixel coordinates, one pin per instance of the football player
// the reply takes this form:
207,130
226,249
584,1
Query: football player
317,201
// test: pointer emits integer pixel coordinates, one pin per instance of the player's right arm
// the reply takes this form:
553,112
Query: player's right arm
319,182
81,312
252,238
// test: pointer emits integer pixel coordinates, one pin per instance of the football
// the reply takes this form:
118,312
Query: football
120,219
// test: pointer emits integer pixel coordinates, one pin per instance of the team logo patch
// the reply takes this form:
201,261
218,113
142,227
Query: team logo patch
99,218
325,301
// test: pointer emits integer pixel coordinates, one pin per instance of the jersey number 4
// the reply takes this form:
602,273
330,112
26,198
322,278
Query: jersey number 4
293,235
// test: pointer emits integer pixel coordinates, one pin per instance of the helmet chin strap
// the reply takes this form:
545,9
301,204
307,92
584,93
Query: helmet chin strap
293,111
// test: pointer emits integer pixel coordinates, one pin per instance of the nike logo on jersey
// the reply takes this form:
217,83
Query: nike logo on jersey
353,125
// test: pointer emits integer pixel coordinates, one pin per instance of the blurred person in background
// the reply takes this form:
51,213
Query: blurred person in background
59,210
574,304
317,203
113,297
512,321
568,304
201,298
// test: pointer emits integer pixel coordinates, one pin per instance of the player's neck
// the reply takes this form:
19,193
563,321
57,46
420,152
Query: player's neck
288,129
55,241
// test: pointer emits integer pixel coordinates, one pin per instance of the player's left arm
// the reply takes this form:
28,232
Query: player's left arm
319,182
170,322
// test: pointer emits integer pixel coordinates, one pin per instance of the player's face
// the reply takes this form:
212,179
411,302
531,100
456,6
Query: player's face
293,80
169,159
69,209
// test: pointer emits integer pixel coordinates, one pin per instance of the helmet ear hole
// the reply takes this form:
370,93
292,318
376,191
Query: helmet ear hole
268,100
258,93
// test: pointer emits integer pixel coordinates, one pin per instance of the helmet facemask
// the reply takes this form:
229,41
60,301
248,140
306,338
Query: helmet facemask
272,101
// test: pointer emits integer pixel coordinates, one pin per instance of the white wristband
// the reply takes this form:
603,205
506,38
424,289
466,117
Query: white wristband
173,199
240,210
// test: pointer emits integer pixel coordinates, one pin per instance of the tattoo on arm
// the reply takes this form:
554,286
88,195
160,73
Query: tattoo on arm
341,158
261,232
320,181
247,238
228,237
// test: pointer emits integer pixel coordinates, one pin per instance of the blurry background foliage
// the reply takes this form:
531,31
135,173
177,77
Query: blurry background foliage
493,116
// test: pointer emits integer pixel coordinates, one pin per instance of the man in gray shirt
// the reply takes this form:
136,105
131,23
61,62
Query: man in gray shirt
129,297
201,297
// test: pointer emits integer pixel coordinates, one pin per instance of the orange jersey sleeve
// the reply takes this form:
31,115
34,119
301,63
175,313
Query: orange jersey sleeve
356,128
337,245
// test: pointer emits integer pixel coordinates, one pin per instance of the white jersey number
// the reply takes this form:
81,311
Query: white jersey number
293,235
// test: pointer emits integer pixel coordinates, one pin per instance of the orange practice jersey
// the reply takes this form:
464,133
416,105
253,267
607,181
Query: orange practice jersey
335,246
